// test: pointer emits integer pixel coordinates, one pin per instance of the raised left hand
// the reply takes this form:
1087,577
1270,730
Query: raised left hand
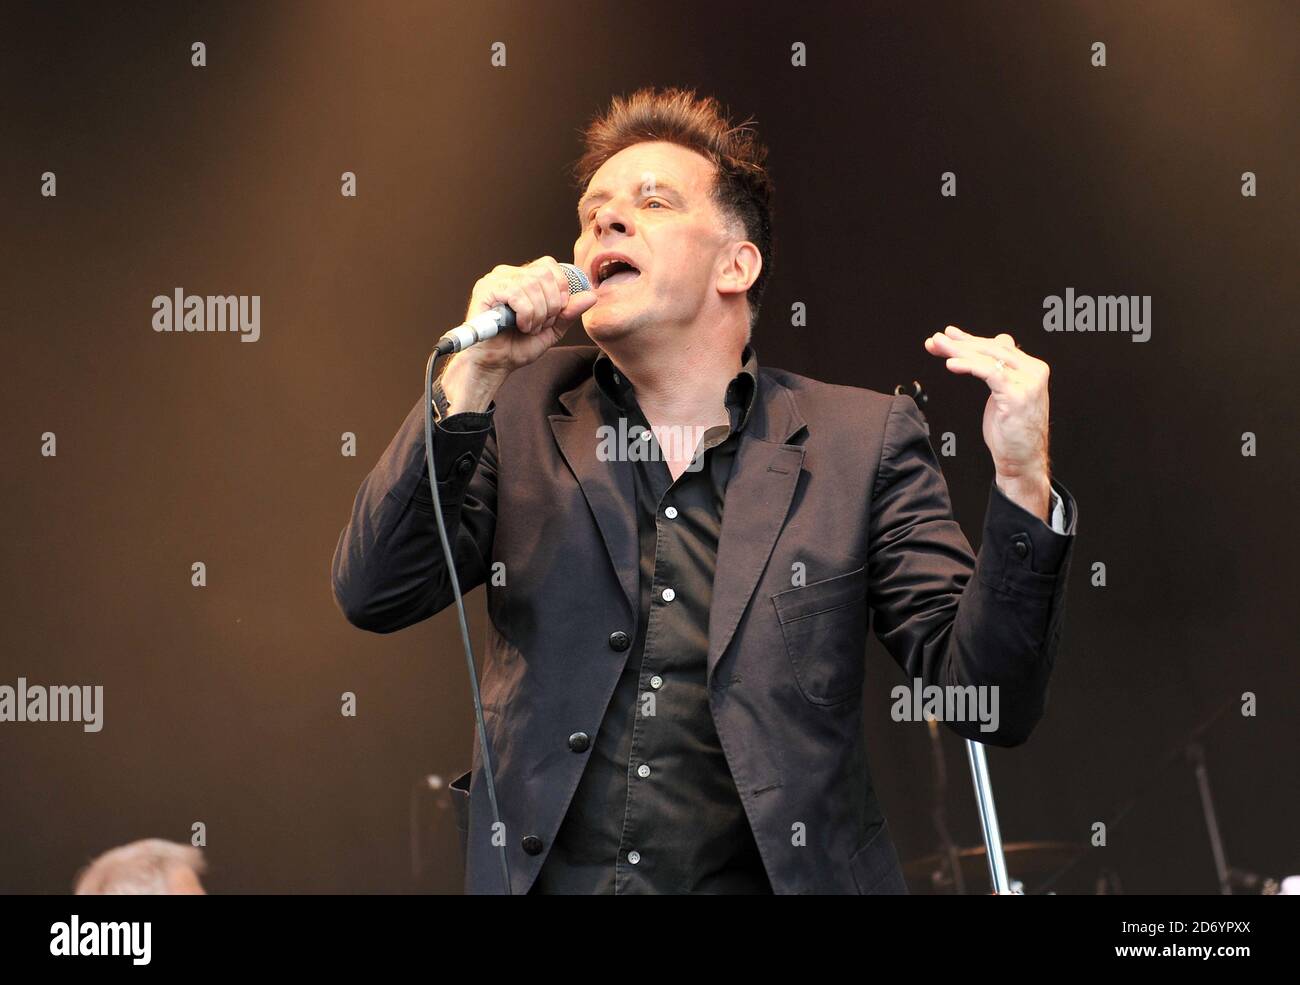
1016,415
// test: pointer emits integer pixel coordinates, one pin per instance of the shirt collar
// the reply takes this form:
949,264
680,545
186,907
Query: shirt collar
740,395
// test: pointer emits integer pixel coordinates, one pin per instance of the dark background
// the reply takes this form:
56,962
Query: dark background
222,704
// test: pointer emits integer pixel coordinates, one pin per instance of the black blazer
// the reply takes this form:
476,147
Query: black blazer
839,480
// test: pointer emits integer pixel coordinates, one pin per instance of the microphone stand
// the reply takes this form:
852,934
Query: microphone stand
979,766
1196,755
979,769
1192,749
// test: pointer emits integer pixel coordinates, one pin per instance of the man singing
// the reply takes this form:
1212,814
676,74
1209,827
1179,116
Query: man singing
674,675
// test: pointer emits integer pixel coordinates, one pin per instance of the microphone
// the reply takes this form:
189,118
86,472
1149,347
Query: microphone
488,323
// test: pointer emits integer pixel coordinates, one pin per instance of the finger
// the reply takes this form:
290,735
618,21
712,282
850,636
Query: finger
578,303
985,368
551,294
537,304
533,283
564,294
965,344
568,296
523,305
562,281
953,332
547,315
552,266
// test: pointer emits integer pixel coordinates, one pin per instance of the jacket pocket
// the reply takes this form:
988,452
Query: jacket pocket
825,630
459,791
875,866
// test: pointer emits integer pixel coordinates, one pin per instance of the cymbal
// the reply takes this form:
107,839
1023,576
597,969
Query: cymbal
1024,858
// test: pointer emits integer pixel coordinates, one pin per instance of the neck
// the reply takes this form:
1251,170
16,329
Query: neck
682,386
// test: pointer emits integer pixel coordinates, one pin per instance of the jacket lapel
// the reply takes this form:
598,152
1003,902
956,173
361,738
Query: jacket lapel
609,487
759,494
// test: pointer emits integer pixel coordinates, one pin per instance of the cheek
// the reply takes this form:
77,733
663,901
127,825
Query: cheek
696,252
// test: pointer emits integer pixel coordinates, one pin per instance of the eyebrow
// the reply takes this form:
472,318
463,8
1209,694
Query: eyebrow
661,188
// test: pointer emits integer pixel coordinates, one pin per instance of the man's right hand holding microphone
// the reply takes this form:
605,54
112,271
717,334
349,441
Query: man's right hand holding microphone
545,309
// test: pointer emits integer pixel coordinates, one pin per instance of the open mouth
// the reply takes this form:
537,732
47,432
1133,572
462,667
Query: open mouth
614,271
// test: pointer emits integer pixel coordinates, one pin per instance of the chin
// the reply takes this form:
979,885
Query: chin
601,330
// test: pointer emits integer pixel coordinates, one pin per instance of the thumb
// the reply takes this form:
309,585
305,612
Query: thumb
578,303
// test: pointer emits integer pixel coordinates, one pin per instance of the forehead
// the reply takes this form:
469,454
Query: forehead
660,160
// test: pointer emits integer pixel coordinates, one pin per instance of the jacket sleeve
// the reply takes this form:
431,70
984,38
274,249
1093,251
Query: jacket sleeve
388,569
948,617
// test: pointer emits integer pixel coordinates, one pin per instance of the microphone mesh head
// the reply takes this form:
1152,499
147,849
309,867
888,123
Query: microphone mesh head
577,279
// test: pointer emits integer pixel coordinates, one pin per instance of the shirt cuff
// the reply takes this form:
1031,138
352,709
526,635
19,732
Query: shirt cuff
1058,512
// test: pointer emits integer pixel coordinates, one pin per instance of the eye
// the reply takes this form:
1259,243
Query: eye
654,201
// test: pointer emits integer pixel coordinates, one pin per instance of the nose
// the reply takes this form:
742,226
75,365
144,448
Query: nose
610,216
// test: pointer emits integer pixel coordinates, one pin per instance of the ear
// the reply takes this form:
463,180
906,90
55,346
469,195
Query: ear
741,266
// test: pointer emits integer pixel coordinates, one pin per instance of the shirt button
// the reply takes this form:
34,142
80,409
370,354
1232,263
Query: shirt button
668,595
617,378
466,464
671,512
532,844
579,741
1022,546
656,682
634,857
619,640
643,771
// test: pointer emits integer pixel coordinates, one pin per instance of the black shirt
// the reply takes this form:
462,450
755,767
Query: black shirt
657,810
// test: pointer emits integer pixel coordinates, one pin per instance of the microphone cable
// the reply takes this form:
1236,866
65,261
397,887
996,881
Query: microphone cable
472,332
485,750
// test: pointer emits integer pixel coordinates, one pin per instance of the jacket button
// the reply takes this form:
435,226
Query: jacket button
532,844
1022,546
619,640
579,741
465,464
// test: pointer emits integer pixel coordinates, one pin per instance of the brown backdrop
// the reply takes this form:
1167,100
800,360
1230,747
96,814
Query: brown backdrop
222,703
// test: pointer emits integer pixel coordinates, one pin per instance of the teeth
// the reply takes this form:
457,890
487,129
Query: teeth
605,265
